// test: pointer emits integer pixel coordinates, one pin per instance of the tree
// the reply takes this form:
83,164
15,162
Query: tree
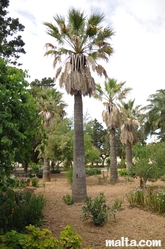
150,162
112,93
80,42
99,138
50,106
155,115
19,119
131,115
11,44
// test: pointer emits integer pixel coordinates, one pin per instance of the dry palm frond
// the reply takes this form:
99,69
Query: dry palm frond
49,45
111,116
58,72
101,71
91,62
128,134
57,59
47,117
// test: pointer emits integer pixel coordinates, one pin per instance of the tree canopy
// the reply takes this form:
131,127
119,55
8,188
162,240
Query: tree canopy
11,43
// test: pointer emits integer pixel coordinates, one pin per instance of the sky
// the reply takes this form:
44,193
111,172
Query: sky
138,43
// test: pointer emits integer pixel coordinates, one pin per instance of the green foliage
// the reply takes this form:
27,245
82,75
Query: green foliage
123,172
150,162
11,44
121,164
70,239
69,175
36,238
19,209
96,209
152,198
93,171
35,182
136,198
68,199
19,120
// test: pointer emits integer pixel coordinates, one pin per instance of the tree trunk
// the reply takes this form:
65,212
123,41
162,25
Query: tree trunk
79,191
46,170
129,162
113,159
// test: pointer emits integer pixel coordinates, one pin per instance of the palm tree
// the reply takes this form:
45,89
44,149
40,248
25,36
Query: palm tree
50,106
112,93
155,116
130,115
80,42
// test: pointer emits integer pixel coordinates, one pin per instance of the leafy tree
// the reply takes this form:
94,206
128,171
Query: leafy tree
51,106
79,42
11,44
155,116
19,119
150,162
112,93
131,115
44,82
99,137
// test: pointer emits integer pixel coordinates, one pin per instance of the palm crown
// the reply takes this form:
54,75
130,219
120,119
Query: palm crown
81,42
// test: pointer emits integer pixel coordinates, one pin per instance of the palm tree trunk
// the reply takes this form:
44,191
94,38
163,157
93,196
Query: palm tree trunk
46,170
79,175
129,155
113,159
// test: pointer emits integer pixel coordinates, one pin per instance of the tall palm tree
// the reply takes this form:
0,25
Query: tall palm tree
50,106
79,42
155,115
130,115
112,93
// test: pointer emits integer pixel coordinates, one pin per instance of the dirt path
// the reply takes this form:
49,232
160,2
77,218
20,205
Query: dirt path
132,223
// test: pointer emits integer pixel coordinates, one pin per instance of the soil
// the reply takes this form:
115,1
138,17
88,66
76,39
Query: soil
135,224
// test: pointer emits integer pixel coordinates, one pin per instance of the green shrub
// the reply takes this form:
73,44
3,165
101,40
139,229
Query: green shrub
152,198
91,172
19,209
123,172
96,209
136,198
70,239
68,199
35,182
40,239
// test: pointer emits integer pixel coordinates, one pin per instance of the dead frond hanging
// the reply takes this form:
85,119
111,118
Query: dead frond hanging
128,134
111,116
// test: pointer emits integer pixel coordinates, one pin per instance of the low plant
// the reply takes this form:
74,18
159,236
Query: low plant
35,182
68,199
136,198
35,238
94,171
117,204
123,172
96,209
152,198
70,239
19,209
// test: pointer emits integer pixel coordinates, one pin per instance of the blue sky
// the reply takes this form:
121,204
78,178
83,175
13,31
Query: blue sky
139,50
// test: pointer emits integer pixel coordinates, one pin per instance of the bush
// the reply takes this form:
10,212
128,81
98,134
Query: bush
19,209
152,198
96,209
37,239
68,199
35,181
91,172
123,172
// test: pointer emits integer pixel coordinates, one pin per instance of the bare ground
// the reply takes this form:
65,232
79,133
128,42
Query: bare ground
133,223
